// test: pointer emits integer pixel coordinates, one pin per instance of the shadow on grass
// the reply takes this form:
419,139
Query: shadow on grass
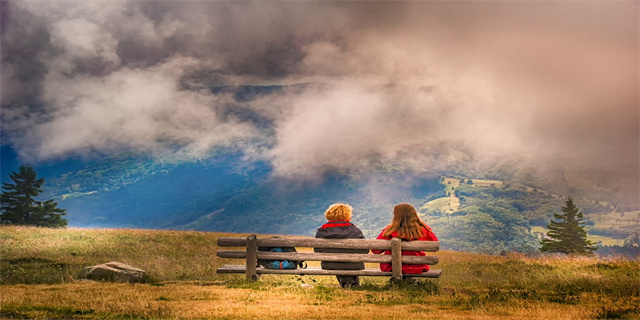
50,312
37,271
616,312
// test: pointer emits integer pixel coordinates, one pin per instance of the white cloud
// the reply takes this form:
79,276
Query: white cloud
142,109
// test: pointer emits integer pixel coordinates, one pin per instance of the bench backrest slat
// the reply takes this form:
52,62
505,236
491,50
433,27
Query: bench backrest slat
429,246
337,257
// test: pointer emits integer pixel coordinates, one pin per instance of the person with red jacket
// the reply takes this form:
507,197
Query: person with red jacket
407,226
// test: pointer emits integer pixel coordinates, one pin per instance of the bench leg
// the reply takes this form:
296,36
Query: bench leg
396,258
252,260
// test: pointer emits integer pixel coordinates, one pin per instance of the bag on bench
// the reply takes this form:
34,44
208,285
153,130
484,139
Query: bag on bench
277,264
280,264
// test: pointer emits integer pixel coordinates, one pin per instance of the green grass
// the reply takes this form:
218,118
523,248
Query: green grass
47,256
445,204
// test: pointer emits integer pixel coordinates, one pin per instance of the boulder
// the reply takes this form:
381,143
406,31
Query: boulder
113,272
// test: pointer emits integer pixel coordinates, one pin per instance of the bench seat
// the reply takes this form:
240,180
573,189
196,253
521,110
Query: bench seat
369,272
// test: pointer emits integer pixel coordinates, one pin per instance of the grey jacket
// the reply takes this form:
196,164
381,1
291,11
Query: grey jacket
337,229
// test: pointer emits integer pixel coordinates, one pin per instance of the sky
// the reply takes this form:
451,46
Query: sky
426,85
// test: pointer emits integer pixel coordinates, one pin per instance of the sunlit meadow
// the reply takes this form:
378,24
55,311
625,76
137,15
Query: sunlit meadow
39,269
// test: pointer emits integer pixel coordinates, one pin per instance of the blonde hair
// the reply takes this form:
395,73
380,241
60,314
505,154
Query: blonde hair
406,222
339,211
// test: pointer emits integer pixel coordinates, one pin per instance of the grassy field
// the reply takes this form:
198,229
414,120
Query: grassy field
447,204
39,269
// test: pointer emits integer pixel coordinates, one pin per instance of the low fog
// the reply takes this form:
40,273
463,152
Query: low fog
423,85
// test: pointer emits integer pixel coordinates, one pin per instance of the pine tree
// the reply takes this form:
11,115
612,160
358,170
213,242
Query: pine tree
566,232
18,204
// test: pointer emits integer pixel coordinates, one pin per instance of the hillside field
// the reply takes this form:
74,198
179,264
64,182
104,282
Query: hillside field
39,268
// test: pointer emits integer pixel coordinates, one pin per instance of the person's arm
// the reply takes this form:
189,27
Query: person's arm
357,234
380,237
320,234
431,236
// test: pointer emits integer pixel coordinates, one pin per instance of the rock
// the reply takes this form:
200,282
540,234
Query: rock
114,272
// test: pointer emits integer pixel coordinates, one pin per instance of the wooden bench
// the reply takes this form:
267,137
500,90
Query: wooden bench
251,255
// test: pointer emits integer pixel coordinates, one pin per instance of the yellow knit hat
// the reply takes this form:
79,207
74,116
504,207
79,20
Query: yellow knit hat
339,211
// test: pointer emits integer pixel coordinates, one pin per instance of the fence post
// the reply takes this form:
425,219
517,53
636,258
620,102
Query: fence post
396,258
252,260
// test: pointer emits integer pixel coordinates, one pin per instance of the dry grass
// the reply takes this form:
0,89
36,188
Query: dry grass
188,301
39,266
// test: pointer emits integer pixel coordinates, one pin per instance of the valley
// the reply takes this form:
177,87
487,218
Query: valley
227,194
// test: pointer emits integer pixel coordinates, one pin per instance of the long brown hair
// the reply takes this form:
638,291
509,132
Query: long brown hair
406,222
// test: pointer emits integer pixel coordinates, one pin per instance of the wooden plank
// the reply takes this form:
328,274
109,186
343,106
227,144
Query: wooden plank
430,246
338,257
396,258
251,253
320,272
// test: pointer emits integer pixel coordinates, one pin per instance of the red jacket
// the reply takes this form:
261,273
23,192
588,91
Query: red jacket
407,268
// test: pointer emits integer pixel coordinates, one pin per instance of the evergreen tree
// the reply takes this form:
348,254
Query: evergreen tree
19,206
566,232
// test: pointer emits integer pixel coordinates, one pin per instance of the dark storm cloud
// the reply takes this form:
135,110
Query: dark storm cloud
22,67
428,85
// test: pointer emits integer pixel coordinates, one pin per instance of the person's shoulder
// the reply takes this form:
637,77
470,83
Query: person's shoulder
382,237
427,229
353,226
427,234
322,232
